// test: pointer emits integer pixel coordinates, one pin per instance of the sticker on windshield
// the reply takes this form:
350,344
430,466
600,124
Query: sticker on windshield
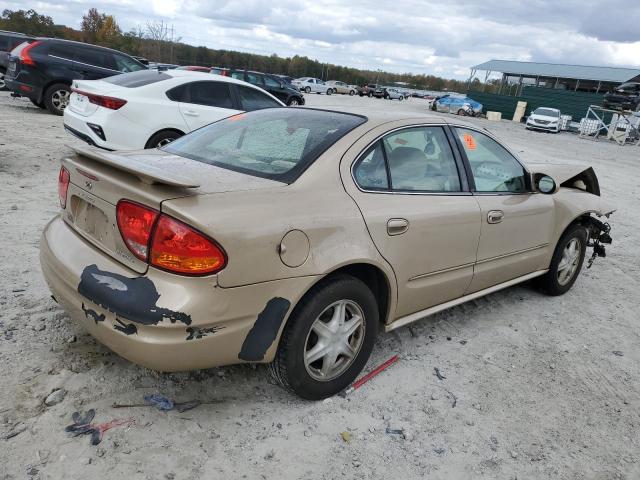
469,141
236,117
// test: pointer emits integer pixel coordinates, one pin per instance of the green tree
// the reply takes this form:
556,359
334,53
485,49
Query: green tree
92,23
29,22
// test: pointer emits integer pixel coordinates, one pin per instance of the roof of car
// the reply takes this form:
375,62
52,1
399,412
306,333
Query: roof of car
73,42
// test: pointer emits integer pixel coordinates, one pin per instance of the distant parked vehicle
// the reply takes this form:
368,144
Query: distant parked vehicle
286,78
458,105
273,84
310,84
394,94
162,66
195,68
341,87
8,41
220,71
544,118
142,60
149,109
42,69
624,97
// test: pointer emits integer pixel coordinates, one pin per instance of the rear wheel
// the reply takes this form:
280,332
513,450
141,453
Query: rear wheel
328,339
369,94
352,92
3,86
56,98
163,138
293,102
307,90
566,262
329,91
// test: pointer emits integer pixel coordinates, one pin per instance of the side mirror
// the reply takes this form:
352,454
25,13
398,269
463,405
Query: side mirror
545,184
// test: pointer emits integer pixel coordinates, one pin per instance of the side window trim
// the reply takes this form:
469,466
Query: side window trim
467,164
463,175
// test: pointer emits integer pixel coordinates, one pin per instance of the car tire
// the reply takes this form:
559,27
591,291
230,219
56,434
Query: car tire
3,86
566,262
307,89
39,105
56,98
369,94
329,91
162,138
305,377
401,98
352,93
293,102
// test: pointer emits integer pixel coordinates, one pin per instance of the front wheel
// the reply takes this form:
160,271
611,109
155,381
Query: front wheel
329,91
307,90
566,262
293,102
352,93
369,94
3,86
328,339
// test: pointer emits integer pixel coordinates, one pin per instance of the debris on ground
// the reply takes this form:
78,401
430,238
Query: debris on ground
55,397
618,353
379,369
346,436
82,425
438,374
15,431
394,431
159,401
165,404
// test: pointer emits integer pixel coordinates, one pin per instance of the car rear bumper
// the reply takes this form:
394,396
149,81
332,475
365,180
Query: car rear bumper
159,320
23,89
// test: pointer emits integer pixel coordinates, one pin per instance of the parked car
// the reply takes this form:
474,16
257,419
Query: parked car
457,105
8,41
43,69
341,87
195,68
392,93
369,90
142,60
271,237
315,85
273,84
162,66
148,109
220,71
624,97
286,78
544,118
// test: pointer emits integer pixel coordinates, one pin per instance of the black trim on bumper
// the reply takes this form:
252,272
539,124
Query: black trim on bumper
83,137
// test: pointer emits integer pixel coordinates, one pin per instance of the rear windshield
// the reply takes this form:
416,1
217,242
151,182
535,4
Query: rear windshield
547,112
274,143
137,79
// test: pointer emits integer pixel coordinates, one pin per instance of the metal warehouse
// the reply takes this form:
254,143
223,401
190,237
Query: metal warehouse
580,78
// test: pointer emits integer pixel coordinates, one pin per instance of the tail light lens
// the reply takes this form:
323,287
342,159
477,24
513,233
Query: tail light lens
167,243
179,248
135,222
111,103
25,56
63,186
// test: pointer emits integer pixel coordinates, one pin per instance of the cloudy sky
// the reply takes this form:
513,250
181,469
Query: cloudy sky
433,37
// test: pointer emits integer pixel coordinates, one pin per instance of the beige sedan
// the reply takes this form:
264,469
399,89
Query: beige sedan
341,87
293,236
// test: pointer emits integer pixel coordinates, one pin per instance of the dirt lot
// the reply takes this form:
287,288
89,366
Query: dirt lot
535,387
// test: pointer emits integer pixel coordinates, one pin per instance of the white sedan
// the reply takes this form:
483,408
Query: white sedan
310,84
150,108
544,118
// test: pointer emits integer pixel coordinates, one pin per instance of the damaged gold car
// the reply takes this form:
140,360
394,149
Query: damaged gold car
292,236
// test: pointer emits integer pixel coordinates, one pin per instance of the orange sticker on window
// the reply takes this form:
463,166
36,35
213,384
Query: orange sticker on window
236,117
469,141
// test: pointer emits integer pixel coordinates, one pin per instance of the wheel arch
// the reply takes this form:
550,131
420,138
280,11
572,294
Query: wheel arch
168,129
46,86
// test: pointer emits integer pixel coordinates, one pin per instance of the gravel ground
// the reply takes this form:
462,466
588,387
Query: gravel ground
536,387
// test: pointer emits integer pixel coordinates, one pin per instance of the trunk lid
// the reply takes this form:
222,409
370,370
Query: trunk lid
99,179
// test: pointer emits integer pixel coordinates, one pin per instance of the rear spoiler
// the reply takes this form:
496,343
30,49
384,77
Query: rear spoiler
144,171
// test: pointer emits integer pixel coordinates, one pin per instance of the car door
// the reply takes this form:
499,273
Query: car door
517,224
93,63
204,102
412,191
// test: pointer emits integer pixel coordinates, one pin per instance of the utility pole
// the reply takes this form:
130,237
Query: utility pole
171,54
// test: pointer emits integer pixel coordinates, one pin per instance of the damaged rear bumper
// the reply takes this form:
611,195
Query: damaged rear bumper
163,321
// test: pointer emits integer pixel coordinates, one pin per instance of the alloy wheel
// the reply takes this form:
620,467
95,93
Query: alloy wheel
334,340
569,262
2,84
164,141
293,102
60,99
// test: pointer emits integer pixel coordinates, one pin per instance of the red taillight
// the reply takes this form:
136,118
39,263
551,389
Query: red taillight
63,186
179,248
135,223
25,56
111,103
167,243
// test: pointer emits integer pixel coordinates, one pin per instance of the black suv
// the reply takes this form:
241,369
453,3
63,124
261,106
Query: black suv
42,69
624,97
8,41
273,84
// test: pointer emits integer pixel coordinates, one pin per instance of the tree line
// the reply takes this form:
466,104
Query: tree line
155,41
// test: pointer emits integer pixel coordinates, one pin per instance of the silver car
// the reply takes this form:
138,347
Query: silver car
310,84
394,93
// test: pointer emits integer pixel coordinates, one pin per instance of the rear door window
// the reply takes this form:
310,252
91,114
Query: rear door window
253,99
270,82
95,57
62,51
255,79
212,94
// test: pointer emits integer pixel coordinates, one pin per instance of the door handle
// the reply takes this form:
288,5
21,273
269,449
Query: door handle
397,226
191,113
495,216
